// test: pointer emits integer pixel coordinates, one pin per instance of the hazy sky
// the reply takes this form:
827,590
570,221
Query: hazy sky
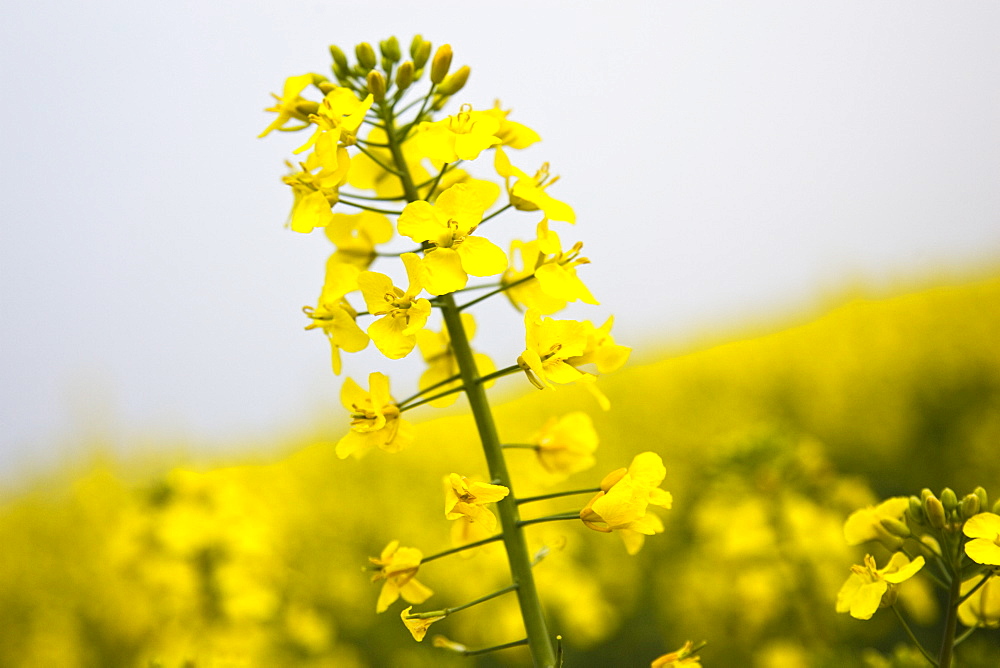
726,160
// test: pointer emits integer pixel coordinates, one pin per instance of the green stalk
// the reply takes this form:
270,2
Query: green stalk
950,623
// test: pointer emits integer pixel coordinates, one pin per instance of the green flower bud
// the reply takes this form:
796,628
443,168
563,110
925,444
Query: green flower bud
996,507
454,82
916,510
366,56
326,87
970,506
404,75
376,85
984,500
949,499
935,511
895,527
441,63
421,56
339,59
924,493
415,45
306,108
390,49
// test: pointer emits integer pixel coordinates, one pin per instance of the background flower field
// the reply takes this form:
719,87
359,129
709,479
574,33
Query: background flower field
770,443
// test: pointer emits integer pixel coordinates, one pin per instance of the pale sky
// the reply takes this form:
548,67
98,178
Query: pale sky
727,162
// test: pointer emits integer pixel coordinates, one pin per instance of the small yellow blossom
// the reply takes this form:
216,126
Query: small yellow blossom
528,193
554,271
685,656
417,627
566,445
335,315
288,104
375,419
462,136
314,194
556,348
356,235
868,588
866,524
511,133
453,252
398,567
441,363
403,314
984,529
467,499
622,504
983,607
337,121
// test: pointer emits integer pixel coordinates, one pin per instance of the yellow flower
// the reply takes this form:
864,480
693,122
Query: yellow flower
511,133
685,656
441,363
398,566
366,174
453,253
335,315
984,529
983,607
375,419
555,348
622,504
866,524
467,499
460,137
528,192
314,194
403,314
288,104
566,445
337,121
417,627
868,588
355,236
554,271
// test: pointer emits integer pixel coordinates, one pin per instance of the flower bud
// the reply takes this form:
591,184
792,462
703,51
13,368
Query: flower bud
307,108
924,493
326,87
421,56
984,500
389,49
996,507
376,85
916,510
441,63
366,55
935,511
611,479
454,82
415,44
970,506
339,59
404,75
949,499
895,527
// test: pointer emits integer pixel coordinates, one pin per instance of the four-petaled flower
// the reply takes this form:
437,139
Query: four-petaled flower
375,419
418,626
868,588
288,104
554,271
398,566
622,504
445,227
335,315
462,136
466,500
866,524
982,607
403,314
566,445
984,530
435,347
527,193
555,348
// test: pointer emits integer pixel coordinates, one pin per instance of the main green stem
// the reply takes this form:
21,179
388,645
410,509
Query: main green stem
539,642
951,621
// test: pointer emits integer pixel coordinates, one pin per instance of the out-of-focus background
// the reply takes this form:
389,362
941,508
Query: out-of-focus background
791,211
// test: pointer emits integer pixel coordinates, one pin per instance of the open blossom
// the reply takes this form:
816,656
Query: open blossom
403,314
288,104
512,133
528,193
356,235
375,419
465,501
982,608
866,524
334,315
398,566
625,497
337,121
556,348
984,530
566,445
435,347
314,193
868,588
453,253
462,136
555,281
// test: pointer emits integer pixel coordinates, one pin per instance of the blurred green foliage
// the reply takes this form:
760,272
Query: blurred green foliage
769,444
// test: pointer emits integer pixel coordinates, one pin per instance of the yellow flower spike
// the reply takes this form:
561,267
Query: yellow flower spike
528,193
868,588
375,419
462,136
435,347
288,104
512,134
984,529
447,227
684,657
566,445
403,314
417,627
982,609
335,315
866,524
398,566
623,507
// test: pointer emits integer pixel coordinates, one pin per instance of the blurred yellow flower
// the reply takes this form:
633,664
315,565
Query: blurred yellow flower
983,607
398,567
435,347
334,315
375,419
683,657
868,588
528,193
462,136
288,104
626,495
566,445
866,524
355,236
403,314
417,627
984,529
